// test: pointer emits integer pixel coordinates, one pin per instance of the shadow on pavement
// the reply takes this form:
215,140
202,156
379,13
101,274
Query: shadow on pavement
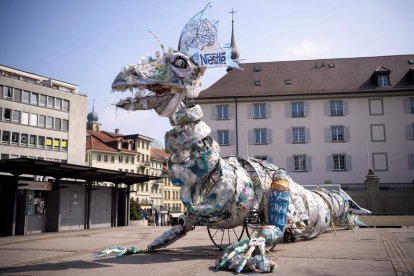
60,266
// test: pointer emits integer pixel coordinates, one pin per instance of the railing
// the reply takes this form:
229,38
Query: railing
353,187
396,186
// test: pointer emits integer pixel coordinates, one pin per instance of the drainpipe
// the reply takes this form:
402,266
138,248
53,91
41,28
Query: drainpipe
237,132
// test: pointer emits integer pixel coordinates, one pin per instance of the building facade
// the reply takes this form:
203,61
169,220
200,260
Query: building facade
325,121
40,117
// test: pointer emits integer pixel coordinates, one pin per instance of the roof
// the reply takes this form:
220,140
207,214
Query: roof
29,166
108,141
159,154
321,76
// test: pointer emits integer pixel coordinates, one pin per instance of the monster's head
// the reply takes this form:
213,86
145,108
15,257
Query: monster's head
159,82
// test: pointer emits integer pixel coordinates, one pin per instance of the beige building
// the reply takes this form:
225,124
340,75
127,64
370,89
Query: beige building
324,120
40,117
127,153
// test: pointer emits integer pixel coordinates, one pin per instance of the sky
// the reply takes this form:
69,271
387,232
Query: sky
87,42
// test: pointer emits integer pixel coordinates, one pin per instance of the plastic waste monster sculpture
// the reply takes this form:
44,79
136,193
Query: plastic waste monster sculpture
221,192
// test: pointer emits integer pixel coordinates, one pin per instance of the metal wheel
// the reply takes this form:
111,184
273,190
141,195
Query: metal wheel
253,226
224,237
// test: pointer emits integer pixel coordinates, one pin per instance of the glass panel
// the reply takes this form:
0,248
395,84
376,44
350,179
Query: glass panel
57,123
15,138
49,142
24,139
25,118
42,121
49,122
58,103
34,98
64,144
42,100
41,141
50,101
32,140
25,96
33,120
56,143
17,95
16,116
65,125
7,114
65,105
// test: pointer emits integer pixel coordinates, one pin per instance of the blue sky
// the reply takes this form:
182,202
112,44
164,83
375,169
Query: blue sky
87,42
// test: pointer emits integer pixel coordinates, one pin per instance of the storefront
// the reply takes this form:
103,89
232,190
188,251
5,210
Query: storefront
65,197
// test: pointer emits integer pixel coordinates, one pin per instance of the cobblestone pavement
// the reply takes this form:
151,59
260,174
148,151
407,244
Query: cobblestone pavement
381,251
402,262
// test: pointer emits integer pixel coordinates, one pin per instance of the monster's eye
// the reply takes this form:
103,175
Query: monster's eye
180,62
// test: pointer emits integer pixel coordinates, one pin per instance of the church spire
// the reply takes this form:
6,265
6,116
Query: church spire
234,52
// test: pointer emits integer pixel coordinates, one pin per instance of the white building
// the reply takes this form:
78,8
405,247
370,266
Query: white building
324,120
40,117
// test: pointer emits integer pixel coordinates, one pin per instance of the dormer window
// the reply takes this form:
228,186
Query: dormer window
382,75
383,80
258,68
119,144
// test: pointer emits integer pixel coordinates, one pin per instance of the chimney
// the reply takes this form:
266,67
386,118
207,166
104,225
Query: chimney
117,130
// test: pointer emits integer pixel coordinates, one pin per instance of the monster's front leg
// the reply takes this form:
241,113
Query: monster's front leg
173,234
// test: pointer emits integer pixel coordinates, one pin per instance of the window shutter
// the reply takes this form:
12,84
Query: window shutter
347,136
250,111
348,163
251,137
268,110
345,107
290,164
329,163
306,109
407,105
411,161
308,163
268,136
327,108
1,114
231,137
214,111
288,110
231,112
289,136
307,135
328,134
214,134
409,130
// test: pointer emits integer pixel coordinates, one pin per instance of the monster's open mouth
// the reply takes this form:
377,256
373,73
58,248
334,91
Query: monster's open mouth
147,90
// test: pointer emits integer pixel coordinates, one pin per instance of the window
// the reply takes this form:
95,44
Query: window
259,110
25,96
298,109
58,103
409,105
17,95
65,105
336,108
49,142
42,121
7,114
298,135
257,69
99,158
410,131
105,158
41,142
339,162
378,133
16,116
410,161
50,102
260,136
380,161
24,139
24,120
34,98
7,92
65,125
15,137
222,112
132,159
337,134
64,144
32,140
58,123
299,163
42,100
257,83
5,137
112,159
223,137
120,159
383,80
33,119
49,122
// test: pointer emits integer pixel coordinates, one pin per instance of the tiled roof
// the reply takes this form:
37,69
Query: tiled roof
159,154
106,141
302,77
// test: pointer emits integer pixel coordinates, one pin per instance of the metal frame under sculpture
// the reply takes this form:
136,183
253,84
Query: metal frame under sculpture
221,192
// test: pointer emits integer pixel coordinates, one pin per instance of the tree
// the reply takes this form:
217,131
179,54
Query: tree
135,209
